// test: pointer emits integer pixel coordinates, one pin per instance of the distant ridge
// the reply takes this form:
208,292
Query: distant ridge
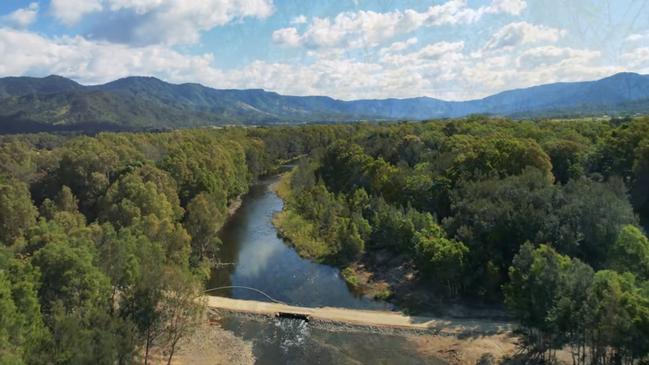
58,103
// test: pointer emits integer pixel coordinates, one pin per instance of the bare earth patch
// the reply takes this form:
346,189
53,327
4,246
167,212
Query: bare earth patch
211,345
459,350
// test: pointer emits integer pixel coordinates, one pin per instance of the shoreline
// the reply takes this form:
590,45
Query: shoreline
377,275
454,341
234,206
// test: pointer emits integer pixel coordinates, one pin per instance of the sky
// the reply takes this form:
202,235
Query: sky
347,49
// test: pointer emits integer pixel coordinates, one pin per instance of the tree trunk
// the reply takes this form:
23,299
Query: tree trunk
173,349
146,351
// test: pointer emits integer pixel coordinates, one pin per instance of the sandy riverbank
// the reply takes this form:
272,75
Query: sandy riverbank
210,345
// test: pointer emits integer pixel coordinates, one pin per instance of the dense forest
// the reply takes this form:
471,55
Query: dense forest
106,241
543,216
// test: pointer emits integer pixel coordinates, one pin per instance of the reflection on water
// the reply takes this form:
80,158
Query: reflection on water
288,341
263,261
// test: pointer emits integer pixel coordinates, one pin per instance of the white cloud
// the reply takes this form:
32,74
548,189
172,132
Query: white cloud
69,12
159,21
94,62
546,55
300,19
513,7
139,6
637,38
637,59
431,52
288,37
443,69
363,28
21,18
174,21
514,34
399,46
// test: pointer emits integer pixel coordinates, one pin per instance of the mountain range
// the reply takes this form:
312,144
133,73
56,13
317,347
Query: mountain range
57,103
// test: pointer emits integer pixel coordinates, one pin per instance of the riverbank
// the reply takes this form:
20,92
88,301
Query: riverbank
234,206
375,275
469,350
378,274
293,228
209,344
456,341
275,266
364,318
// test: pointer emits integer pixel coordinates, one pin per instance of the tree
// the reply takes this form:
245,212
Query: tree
630,252
64,206
493,217
23,336
568,159
204,218
142,297
74,296
441,257
10,325
536,276
18,211
182,311
85,166
618,319
588,218
130,198
495,156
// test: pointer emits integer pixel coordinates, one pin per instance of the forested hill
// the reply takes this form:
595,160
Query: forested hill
57,103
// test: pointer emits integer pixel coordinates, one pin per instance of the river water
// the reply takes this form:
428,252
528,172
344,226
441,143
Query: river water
256,257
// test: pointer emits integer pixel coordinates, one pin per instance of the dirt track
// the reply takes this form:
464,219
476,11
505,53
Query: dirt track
369,318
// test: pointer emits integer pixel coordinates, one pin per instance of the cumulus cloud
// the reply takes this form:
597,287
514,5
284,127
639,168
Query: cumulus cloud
431,52
95,62
445,70
354,29
146,22
637,59
514,34
637,38
540,56
514,7
300,19
21,18
399,46
288,37
69,12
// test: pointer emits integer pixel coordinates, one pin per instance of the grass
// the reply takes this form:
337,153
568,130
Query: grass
283,186
301,235
361,282
350,277
291,226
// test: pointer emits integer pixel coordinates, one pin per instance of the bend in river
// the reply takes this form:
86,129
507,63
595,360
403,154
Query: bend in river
262,260
257,257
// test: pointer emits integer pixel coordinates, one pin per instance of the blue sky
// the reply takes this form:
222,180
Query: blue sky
349,49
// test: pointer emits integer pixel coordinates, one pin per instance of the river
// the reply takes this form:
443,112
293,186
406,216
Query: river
257,257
